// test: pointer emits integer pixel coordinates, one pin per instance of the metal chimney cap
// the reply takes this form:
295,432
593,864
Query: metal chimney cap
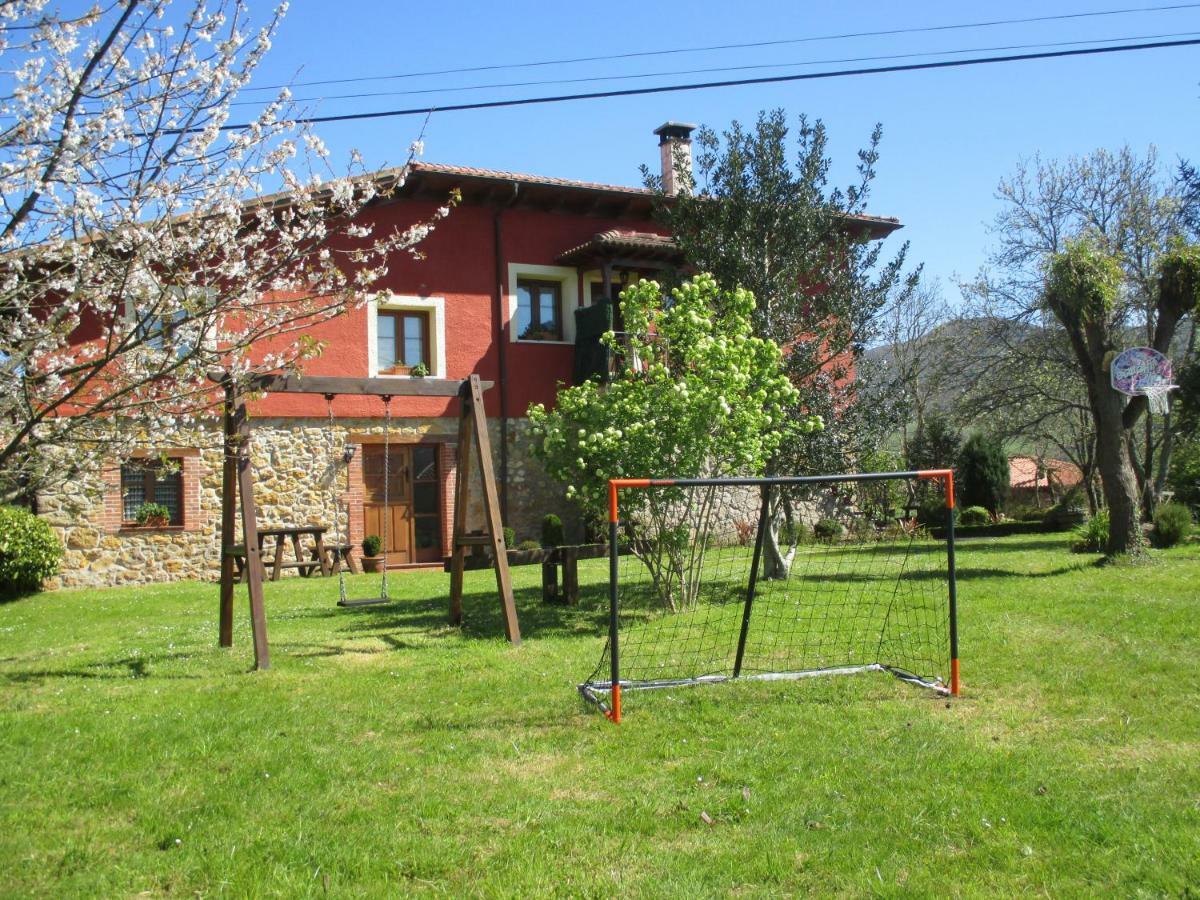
673,131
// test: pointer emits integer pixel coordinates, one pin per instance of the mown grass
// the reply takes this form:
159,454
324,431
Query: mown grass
386,753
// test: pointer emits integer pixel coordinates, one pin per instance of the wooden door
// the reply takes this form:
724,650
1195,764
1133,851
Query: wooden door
426,504
397,514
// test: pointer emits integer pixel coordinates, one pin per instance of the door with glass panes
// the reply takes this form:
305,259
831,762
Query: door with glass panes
413,509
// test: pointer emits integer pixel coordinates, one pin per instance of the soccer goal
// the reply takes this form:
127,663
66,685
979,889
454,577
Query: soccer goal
712,580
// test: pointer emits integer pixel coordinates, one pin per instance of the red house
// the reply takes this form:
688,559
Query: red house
497,294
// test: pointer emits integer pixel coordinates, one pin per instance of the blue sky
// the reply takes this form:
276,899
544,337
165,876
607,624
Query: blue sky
949,135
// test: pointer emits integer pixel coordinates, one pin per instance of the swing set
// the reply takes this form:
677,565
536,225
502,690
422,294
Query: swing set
238,483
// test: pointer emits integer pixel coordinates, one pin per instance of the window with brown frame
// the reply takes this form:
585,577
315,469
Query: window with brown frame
402,341
146,481
539,310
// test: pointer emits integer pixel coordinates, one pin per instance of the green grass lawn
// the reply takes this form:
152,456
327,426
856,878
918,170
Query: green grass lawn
386,753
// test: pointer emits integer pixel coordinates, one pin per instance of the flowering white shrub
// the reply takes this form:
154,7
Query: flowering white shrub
697,396
137,250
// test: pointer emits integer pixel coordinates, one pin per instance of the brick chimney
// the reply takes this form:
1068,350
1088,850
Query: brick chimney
674,147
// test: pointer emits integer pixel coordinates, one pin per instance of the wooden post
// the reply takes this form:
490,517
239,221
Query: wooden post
472,429
550,579
254,566
570,566
228,523
458,547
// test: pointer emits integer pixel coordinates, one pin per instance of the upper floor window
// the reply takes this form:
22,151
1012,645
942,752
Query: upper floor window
146,481
402,341
539,310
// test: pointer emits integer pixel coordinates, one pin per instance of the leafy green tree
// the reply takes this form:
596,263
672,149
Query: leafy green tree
758,212
981,475
936,445
697,395
1184,477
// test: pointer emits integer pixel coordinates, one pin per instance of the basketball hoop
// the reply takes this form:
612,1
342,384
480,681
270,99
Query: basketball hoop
1158,396
1144,372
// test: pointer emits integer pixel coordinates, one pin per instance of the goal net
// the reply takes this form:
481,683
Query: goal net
774,578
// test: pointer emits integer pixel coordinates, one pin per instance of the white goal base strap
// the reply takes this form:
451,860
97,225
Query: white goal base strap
592,690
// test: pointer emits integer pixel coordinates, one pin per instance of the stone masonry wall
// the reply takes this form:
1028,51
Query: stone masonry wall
295,478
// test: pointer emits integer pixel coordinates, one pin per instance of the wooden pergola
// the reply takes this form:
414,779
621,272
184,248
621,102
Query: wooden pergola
238,480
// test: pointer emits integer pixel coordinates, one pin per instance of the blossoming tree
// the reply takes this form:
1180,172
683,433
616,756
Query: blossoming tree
697,396
137,250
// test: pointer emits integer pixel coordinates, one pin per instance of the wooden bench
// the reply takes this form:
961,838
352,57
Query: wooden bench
316,560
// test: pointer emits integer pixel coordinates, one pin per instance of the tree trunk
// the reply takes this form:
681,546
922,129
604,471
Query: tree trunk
775,565
1116,473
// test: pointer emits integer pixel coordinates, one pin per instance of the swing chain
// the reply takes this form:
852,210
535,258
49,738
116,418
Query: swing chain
337,505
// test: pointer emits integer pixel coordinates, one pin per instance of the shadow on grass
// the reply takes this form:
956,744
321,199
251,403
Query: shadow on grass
140,666
482,619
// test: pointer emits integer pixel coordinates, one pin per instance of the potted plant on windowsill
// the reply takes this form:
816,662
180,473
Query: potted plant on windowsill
153,515
420,370
372,561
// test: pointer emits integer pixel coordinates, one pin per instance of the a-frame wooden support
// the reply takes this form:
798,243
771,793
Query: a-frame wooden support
238,480
473,434
238,483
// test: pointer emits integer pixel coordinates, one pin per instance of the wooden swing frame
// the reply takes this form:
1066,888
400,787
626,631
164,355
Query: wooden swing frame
238,479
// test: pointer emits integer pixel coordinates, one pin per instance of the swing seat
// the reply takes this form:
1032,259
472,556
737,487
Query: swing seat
367,601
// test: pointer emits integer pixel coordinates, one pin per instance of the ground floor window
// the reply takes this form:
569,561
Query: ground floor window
151,481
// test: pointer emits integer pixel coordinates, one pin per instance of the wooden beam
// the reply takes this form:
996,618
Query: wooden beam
254,566
491,509
376,387
228,521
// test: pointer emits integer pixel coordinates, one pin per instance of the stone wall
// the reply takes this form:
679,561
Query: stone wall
295,477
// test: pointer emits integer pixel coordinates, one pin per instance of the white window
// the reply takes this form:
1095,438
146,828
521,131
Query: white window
177,322
406,332
541,303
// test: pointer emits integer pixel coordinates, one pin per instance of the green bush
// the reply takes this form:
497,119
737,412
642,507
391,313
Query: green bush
932,512
795,532
828,530
1184,477
529,545
552,531
1172,524
982,473
372,544
510,537
1070,511
1092,535
29,552
975,515
1025,513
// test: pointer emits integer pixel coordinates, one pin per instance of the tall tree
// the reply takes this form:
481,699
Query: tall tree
758,217
1130,211
1083,290
134,255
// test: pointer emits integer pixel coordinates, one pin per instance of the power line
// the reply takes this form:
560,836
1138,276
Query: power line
742,46
671,88
813,62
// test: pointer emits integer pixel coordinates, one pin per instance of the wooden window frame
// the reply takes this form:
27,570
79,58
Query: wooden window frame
398,337
535,308
150,472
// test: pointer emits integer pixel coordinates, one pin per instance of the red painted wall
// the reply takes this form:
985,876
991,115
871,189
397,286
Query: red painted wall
459,265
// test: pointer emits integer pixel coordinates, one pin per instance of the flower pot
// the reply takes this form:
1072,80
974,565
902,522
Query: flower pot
156,522
372,563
